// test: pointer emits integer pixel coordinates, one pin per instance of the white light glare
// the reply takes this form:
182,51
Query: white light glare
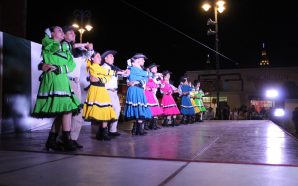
88,27
220,3
206,6
220,9
271,93
279,112
75,25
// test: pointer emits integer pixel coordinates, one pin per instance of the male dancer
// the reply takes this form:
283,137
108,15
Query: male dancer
112,87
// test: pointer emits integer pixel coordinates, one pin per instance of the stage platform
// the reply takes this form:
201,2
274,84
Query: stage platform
251,152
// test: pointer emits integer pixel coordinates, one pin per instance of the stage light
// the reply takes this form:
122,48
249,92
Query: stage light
279,112
272,93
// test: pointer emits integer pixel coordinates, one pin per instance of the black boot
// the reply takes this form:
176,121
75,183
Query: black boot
151,124
155,124
78,146
67,143
174,122
184,120
165,122
109,126
51,142
134,129
197,118
137,128
188,120
106,136
191,119
140,129
103,134
146,125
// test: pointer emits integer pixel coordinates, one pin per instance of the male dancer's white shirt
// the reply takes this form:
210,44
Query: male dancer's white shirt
112,84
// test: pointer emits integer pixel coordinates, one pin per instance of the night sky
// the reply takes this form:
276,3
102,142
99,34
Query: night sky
243,27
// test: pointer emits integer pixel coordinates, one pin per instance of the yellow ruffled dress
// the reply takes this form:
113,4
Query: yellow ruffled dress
98,106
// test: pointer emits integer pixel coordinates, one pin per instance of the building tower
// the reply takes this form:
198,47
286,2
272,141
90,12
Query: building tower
264,58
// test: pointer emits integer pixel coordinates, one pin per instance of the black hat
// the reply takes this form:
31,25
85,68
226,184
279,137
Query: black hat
106,53
196,82
152,65
68,28
165,72
183,78
139,55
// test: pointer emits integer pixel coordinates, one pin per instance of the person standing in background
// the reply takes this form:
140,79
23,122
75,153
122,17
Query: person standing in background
295,119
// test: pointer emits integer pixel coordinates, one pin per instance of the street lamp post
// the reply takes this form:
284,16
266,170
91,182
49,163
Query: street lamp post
81,15
218,7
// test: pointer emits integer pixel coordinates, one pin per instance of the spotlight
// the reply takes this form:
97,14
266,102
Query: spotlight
272,93
279,112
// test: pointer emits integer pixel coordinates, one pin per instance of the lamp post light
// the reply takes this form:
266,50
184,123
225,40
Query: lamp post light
81,15
218,7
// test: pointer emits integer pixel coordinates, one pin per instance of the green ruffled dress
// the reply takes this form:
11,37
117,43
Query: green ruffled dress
199,100
55,95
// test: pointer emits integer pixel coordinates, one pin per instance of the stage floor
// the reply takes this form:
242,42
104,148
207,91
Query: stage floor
252,152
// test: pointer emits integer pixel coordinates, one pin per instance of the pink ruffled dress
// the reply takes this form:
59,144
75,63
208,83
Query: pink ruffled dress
168,103
150,92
